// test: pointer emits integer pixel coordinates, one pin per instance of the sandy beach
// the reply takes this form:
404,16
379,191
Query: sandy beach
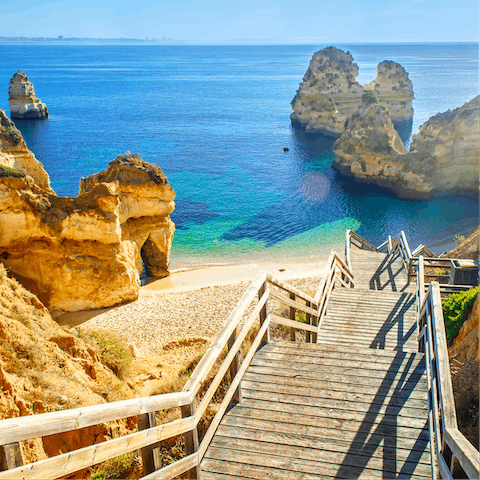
189,306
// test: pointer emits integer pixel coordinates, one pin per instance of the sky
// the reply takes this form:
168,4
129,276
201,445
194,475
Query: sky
238,21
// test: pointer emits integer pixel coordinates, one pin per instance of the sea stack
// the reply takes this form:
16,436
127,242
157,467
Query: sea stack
22,100
443,156
329,94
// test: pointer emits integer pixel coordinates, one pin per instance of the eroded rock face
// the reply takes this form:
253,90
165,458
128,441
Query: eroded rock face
443,156
394,90
14,154
86,252
22,100
329,94
44,368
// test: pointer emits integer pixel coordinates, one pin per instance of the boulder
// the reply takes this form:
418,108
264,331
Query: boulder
443,156
87,252
329,94
22,100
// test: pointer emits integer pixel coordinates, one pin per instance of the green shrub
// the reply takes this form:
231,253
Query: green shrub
10,172
119,467
111,349
456,308
369,98
459,239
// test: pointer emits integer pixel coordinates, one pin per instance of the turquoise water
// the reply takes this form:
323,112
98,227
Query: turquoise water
216,120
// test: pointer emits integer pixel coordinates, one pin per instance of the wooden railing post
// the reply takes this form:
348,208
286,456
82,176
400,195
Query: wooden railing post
150,455
191,440
308,318
293,312
237,396
263,313
11,456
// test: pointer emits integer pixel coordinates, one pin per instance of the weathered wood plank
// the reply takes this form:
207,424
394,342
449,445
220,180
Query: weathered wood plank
174,469
292,303
11,456
290,288
405,391
321,351
33,426
71,462
338,395
290,464
333,403
292,323
245,417
404,446
348,366
350,381
307,451
326,412
465,452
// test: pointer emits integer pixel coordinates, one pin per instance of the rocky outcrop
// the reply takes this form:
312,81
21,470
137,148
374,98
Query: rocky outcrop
44,368
465,344
329,93
394,90
443,156
87,252
14,154
22,100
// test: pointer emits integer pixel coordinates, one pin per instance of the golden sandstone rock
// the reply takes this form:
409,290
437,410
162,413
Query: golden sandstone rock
86,252
443,156
329,94
22,100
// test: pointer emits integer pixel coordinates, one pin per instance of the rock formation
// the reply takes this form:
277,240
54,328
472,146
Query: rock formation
329,93
443,156
86,252
465,344
44,368
14,154
22,100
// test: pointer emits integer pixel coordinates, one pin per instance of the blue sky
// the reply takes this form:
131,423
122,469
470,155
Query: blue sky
280,21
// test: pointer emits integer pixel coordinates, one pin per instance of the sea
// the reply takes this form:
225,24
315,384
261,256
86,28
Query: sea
215,118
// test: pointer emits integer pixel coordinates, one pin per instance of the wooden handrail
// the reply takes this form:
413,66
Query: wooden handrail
441,407
32,426
15,430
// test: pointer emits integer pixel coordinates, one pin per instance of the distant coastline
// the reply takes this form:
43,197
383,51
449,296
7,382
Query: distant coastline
170,41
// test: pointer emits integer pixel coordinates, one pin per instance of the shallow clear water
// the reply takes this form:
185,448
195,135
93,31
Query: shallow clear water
216,120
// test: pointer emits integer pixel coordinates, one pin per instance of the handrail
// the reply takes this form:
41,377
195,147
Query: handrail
446,440
260,291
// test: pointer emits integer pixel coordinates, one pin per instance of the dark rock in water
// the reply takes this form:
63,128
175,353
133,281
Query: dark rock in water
285,149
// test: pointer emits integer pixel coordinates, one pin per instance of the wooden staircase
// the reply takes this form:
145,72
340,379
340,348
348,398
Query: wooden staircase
353,405
348,397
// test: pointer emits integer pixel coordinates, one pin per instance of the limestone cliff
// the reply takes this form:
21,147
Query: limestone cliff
443,156
44,368
329,93
22,100
394,90
15,154
86,252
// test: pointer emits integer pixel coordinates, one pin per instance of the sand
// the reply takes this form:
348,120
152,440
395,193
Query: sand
189,305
